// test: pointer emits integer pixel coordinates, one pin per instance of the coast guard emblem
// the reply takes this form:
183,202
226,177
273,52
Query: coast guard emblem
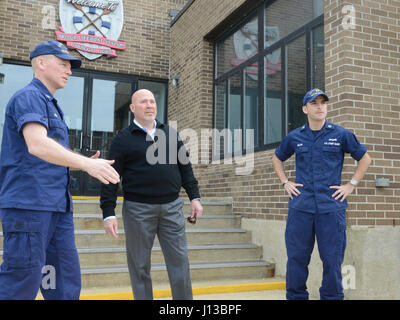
91,26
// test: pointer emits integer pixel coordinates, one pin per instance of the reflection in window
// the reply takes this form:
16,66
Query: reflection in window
318,58
219,120
238,47
15,78
273,100
287,68
70,100
251,106
110,113
285,16
234,111
159,90
296,82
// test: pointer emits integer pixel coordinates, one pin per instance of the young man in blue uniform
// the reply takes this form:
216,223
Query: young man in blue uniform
317,204
35,203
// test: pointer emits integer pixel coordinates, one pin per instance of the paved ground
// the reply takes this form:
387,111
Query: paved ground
244,289
249,295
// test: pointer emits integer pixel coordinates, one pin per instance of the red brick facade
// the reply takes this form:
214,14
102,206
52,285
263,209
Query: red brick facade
362,79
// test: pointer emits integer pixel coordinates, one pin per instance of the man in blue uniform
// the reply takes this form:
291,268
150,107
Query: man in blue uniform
317,202
35,203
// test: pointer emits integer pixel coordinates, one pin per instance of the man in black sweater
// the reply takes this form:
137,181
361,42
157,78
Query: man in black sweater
146,157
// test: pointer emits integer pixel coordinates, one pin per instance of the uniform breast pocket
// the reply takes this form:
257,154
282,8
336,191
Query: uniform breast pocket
332,153
58,130
302,154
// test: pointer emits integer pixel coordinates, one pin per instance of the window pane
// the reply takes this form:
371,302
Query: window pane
238,47
296,82
251,106
159,90
318,58
235,111
220,105
70,100
273,111
15,77
283,17
110,113
318,8
219,120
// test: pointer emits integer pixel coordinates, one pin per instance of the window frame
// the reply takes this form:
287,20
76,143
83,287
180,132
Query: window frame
258,58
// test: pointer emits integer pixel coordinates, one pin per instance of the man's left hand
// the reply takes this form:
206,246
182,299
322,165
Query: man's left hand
342,191
197,209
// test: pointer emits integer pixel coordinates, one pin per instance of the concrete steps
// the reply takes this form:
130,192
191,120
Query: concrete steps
108,256
218,248
94,221
118,275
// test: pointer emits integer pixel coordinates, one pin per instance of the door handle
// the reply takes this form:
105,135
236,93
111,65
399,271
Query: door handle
80,143
91,141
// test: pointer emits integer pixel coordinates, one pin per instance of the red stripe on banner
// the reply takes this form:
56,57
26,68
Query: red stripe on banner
86,38
82,47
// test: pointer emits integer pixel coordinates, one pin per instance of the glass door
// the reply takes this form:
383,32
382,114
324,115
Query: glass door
109,113
95,108
71,101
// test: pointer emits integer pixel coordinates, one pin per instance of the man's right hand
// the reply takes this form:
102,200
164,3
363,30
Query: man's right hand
291,189
102,170
111,227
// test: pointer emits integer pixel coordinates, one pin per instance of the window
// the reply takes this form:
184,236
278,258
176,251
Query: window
15,77
296,84
238,47
262,74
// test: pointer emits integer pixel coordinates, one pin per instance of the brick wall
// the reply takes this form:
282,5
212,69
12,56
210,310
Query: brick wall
362,78
146,32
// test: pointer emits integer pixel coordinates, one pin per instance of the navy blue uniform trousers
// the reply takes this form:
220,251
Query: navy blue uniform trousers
301,230
33,240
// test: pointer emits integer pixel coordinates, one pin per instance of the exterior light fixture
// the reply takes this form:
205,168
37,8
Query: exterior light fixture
175,80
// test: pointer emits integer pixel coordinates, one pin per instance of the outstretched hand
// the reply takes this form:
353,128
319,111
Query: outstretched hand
101,169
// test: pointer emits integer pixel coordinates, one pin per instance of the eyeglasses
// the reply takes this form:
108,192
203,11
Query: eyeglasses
191,220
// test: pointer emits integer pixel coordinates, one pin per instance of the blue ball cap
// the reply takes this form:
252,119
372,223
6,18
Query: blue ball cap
313,94
57,49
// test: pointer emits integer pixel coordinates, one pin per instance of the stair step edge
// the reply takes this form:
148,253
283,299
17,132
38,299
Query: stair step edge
158,248
196,265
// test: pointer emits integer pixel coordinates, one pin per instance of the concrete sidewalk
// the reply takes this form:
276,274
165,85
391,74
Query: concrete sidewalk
243,289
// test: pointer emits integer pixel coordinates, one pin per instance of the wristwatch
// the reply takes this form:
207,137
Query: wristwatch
284,182
353,182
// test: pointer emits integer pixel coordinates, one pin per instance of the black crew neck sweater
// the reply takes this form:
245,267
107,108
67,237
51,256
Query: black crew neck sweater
151,171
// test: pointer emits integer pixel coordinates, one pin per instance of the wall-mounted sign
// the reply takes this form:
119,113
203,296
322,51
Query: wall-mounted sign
92,26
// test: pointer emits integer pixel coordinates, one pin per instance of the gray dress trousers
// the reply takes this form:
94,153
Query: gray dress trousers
142,222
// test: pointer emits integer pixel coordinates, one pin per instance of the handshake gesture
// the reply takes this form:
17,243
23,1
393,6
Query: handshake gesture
101,169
